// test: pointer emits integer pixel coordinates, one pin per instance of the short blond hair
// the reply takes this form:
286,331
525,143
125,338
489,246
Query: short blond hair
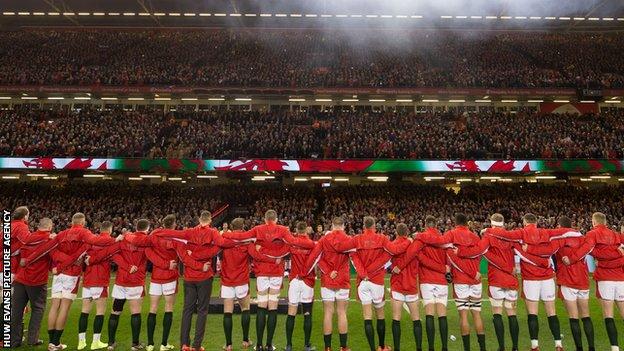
599,218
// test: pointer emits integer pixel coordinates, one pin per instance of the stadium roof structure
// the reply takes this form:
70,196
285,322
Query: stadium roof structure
450,14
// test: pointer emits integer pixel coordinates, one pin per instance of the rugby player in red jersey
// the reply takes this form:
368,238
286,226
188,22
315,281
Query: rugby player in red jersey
370,246
65,281
331,253
502,281
432,271
466,277
30,284
300,288
269,276
602,242
95,288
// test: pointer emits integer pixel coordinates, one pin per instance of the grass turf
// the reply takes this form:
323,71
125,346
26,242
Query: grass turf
214,338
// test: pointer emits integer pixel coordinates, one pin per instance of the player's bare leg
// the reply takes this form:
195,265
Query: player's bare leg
553,323
245,320
381,326
414,311
367,313
475,310
83,322
607,313
135,322
228,309
151,320
55,304
167,321
261,318
343,324
532,310
98,323
290,325
272,317
328,318
514,327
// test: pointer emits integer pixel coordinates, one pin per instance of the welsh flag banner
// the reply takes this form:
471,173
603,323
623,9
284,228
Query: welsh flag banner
312,165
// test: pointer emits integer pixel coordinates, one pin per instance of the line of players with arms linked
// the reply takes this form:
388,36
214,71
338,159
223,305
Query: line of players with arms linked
421,269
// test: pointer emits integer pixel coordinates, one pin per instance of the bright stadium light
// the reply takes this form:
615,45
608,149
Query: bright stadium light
301,179
5,98
561,101
188,99
93,176
207,176
108,98
535,100
36,175
601,177
350,100
175,178
82,98
376,100
490,178
509,101
544,177
341,179
323,100
10,177
321,177
162,99
296,99
613,101
457,100
242,99
223,99
431,100
148,176
428,179
587,101
136,99
483,101
404,100
56,98
29,98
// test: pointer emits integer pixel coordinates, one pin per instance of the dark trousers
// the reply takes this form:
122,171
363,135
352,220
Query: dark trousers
196,298
22,294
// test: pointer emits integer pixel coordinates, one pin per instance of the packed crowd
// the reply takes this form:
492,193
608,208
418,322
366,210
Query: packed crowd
312,134
407,204
274,58
122,203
